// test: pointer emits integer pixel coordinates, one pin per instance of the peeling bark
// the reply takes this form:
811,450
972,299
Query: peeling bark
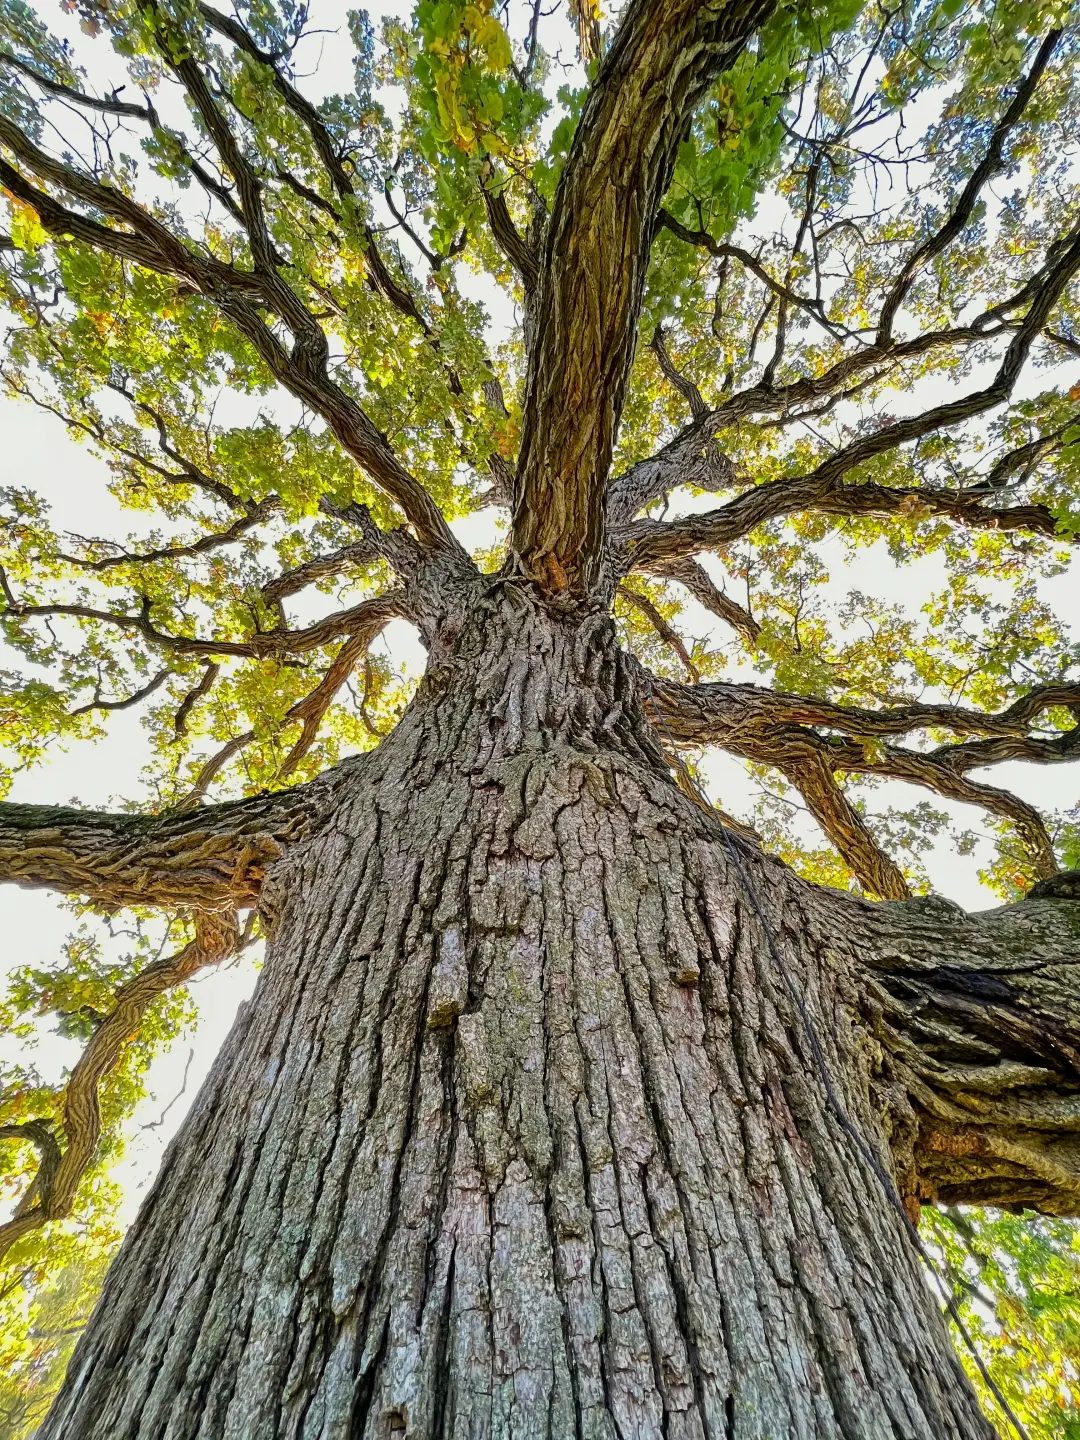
521,1134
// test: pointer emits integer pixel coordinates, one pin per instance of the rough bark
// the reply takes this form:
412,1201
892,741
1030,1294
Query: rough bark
210,859
982,1016
522,1133
592,272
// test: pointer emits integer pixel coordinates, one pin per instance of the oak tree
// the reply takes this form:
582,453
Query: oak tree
568,1103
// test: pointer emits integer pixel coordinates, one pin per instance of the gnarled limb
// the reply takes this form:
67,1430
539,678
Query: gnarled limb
844,827
141,238
593,272
645,543
711,709
695,578
691,458
686,458
771,728
674,376
212,859
51,1194
980,1019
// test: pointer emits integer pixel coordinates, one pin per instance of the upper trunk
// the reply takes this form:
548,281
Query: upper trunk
521,1134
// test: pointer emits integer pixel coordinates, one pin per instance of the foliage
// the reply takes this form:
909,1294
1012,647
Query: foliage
1017,1283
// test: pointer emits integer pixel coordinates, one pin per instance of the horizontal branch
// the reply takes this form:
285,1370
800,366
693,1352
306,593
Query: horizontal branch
255,516
772,728
980,1016
729,705
267,644
213,859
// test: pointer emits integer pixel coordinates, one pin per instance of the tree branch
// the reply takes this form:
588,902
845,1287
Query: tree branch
691,458
596,252
506,235
772,728
844,827
670,636
979,1015
303,370
992,163
212,859
724,250
647,541
264,644
148,689
686,388
53,1191
688,573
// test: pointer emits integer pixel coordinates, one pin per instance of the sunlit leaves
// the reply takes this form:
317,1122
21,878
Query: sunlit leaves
1016,1280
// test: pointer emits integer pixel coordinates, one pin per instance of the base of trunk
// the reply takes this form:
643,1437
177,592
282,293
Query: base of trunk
520,1135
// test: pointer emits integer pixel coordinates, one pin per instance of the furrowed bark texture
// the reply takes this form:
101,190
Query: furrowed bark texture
981,1015
207,859
592,274
521,1134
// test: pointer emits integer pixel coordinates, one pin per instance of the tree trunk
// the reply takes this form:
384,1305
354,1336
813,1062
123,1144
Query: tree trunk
521,1134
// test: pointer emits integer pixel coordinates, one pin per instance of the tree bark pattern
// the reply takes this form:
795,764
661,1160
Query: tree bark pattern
592,273
981,1014
521,1134
207,859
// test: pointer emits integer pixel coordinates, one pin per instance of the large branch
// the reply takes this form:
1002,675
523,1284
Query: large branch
141,238
376,611
592,276
845,828
692,457
688,457
51,1194
772,728
981,1019
704,710
212,859
647,541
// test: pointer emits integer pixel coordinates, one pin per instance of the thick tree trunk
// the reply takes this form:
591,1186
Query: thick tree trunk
521,1134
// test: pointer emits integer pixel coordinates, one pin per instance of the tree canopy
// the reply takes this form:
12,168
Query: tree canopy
341,350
